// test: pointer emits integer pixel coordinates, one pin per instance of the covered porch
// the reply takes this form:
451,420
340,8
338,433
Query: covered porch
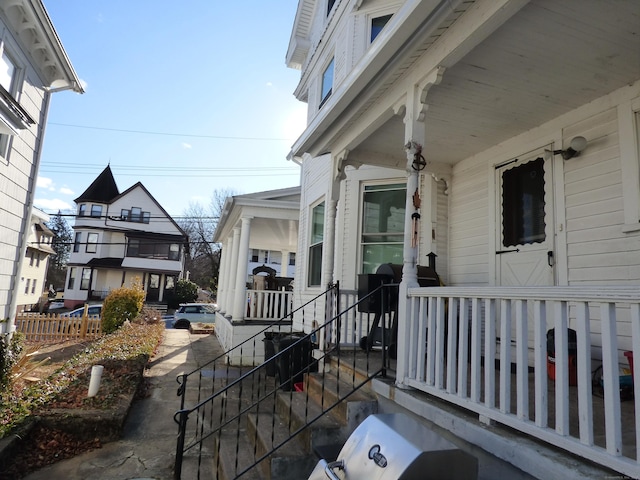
251,296
460,105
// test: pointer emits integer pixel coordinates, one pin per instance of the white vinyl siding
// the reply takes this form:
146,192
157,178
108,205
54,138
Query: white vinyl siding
468,225
598,251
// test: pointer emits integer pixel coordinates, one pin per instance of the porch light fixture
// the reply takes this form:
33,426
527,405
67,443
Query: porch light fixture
576,146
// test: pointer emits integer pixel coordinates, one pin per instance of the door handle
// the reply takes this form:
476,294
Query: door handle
500,252
550,259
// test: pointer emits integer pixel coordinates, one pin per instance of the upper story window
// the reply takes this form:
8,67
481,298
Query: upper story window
96,211
76,242
8,73
330,4
82,210
377,24
327,83
135,214
13,117
92,243
149,248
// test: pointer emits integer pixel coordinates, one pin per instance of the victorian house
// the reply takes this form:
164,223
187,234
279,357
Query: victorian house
120,238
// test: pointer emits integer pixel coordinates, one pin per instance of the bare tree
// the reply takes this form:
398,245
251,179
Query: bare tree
200,223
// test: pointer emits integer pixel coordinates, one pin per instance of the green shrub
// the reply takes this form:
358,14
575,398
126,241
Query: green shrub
185,292
124,303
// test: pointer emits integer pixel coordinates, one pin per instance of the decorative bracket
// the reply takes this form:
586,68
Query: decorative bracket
433,78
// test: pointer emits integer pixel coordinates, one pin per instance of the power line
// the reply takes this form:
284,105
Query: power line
169,134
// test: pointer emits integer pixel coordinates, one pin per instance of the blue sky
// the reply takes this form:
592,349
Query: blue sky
185,97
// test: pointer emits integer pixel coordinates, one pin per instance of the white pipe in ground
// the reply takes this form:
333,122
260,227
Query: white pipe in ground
94,382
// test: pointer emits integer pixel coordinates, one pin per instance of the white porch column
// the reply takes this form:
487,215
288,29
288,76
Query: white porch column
330,208
222,272
240,294
232,270
284,263
415,135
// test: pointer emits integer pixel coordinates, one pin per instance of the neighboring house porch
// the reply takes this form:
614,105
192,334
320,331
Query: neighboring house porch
251,293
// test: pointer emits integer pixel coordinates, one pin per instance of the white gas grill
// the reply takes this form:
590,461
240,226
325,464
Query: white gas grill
395,447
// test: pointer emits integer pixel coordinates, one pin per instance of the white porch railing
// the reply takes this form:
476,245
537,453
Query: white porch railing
268,304
472,323
354,325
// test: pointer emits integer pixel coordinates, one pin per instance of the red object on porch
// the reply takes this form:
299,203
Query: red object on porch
573,369
298,387
629,355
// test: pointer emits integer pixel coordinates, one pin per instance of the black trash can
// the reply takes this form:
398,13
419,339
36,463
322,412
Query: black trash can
269,352
293,363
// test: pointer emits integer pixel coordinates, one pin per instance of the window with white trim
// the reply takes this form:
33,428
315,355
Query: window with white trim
377,24
72,278
383,217
85,280
315,246
9,83
330,4
96,211
92,243
327,83
77,241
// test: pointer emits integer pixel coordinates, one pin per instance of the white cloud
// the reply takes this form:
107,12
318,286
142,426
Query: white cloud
44,182
186,146
66,191
52,205
269,84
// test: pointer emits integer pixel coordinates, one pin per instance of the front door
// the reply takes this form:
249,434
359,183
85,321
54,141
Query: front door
153,287
525,253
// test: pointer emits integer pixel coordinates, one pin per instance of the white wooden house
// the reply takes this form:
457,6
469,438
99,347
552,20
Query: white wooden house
250,293
33,273
33,65
120,238
503,136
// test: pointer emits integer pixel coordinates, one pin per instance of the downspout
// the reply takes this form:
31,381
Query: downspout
9,327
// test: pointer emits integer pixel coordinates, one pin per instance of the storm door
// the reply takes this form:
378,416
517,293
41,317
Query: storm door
525,222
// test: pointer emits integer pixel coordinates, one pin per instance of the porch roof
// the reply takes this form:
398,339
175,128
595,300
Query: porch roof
274,218
508,66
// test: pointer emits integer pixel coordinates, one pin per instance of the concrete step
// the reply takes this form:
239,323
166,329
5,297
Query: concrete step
297,409
355,371
229,446
292,461
328,390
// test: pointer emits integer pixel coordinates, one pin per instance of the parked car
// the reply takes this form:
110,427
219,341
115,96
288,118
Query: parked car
93,310
194,312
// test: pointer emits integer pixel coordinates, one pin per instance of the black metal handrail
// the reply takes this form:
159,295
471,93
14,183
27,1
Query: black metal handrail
182,378
223,412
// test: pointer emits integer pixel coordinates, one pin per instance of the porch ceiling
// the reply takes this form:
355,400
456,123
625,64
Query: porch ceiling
273,234
549,58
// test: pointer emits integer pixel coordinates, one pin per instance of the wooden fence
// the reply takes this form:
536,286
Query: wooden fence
48,327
